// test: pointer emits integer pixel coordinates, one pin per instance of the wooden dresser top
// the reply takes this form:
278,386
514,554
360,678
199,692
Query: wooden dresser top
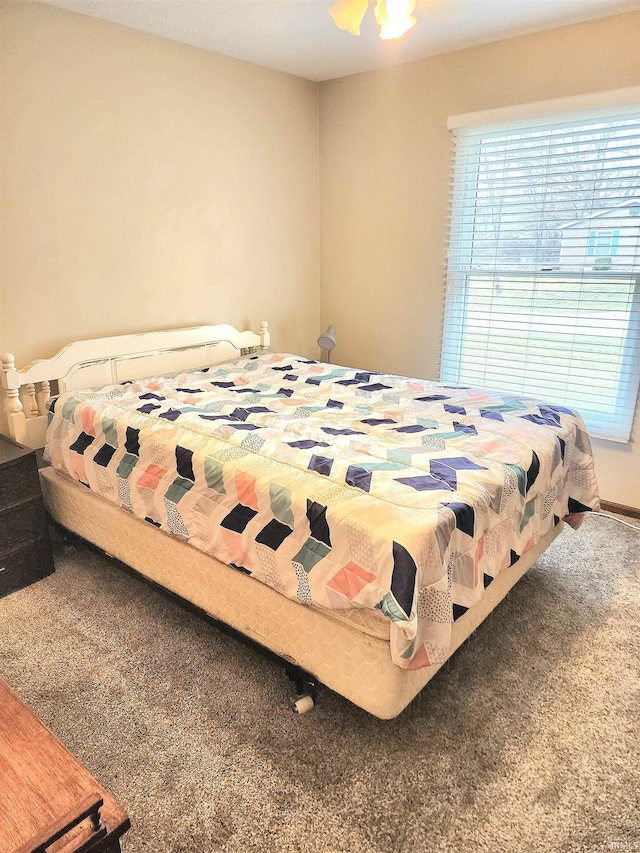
42,781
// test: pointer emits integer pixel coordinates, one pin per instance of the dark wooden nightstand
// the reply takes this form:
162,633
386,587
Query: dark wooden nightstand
25,550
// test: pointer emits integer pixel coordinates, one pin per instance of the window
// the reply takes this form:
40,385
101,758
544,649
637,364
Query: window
543,282
603,243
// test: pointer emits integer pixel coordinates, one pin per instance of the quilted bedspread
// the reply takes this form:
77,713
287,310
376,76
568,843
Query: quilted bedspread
337,487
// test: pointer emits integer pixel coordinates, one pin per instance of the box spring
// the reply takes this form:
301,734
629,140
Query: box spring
348,654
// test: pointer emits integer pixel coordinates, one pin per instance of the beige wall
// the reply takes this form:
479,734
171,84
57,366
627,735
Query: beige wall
147,184
385,168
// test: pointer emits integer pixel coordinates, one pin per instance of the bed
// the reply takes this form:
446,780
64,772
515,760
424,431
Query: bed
359,526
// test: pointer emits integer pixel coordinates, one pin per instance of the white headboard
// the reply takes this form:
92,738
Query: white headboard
101,361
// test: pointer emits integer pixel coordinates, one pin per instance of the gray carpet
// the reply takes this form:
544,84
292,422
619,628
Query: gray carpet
527,740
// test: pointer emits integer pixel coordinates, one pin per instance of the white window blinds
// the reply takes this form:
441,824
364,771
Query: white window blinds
543,283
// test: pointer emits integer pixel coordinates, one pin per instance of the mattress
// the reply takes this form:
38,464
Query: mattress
340,489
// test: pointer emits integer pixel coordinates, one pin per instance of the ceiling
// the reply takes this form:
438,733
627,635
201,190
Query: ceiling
299,37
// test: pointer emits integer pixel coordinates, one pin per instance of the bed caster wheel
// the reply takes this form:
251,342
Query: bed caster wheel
304,698
303,704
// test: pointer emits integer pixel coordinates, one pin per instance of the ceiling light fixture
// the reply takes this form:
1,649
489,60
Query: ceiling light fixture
393,16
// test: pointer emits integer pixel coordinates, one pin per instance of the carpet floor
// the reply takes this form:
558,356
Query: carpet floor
527,740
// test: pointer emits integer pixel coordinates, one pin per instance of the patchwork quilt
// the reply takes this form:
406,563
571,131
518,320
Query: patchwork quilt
337,487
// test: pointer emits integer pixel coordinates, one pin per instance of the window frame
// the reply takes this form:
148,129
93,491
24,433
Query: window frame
460,267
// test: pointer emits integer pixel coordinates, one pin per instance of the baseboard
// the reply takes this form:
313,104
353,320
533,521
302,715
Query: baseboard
621,509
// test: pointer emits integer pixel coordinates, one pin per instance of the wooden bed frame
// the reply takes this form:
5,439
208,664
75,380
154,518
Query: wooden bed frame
341,649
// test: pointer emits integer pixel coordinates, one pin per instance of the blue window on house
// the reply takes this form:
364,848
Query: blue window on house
603,242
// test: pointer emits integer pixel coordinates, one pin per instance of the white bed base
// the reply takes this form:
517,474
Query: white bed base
102,361
344,650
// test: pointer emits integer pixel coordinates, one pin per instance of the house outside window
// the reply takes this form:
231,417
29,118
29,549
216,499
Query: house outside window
543,281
